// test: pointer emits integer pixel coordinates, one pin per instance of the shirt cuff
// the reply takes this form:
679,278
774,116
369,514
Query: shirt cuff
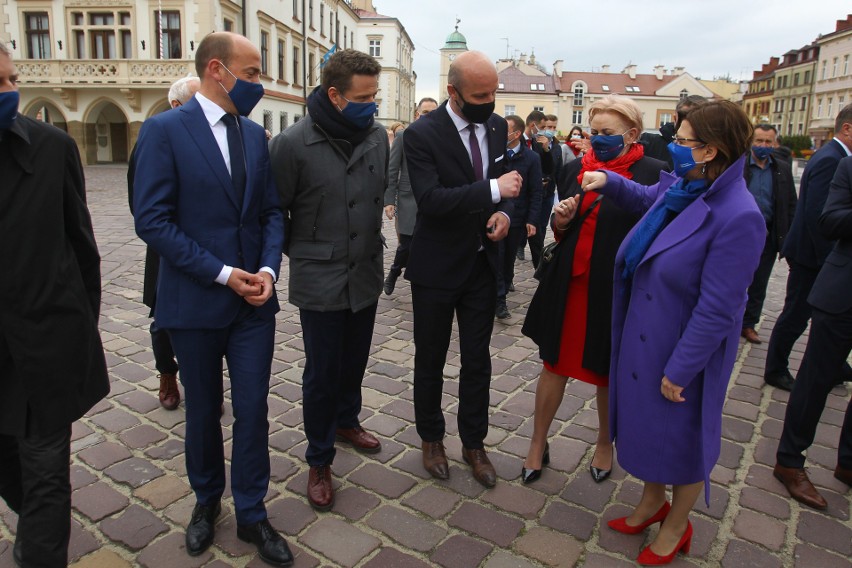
224,275
506,215
270,271
495,191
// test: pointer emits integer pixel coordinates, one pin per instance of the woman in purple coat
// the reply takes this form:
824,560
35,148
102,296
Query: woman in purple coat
681,277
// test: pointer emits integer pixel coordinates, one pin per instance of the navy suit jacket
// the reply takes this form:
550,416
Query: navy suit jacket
452,207
831,289
805,244
186,209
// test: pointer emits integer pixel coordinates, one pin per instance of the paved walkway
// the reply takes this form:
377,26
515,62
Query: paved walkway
131,498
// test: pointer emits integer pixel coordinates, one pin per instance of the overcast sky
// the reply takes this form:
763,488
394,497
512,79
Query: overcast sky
708,38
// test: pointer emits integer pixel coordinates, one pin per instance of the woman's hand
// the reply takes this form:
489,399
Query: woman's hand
593,181
671,391
565,211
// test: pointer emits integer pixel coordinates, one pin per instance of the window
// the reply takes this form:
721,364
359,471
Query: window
297,118
533,87
801,127
666,117
501,86
38,35
264,54
281,76
282,117
804,103
352,40
833,70
845,65
541,86
311,13
577,117
631,89
267,120
824,69
228,25
508,110
376,47
312,62
605,88
830,105
539,108
819,108
780,105
322,19
579,92
790,129
169,25
795,79
345,36
807,77
295,9
296,74
683,94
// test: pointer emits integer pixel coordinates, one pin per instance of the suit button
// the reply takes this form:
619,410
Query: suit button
239,254
353,235
351,265
376,200
351,204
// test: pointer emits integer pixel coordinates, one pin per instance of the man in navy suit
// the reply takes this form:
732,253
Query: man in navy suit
805,249
206,202
456,163
828,347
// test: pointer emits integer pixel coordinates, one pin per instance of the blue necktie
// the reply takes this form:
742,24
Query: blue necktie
238,157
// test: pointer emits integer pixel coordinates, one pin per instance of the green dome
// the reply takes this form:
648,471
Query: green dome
455,41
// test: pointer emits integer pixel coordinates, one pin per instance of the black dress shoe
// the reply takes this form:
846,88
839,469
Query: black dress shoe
502,312
271,548
390,281
598,474
530,475
202,527
783,382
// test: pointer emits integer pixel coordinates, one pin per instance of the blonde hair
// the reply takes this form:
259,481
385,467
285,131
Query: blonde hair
395,127
623,106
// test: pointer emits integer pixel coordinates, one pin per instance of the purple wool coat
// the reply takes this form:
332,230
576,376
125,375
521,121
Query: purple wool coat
681,318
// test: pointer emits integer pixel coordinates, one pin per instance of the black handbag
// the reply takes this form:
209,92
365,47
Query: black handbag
552,251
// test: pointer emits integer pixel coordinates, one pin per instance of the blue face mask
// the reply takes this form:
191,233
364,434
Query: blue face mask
243,94
8,109
360,115
607,147
682,159
761,152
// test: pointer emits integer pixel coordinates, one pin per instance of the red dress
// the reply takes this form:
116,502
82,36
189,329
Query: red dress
573,341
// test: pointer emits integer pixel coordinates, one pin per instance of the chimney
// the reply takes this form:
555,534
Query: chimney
659,70
678,71
557,68
604,68
630,70
523,58
844,24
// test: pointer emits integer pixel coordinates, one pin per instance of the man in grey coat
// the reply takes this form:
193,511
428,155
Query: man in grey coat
399,200
331,172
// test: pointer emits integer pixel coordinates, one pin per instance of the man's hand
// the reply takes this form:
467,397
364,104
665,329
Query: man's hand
267,288
498,227
583,144
530,230
245,284
593,181
544,141
390,211
509,185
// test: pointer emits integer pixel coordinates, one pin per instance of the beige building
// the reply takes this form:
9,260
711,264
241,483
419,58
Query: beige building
793,98
455,45
524,87
99,68
833,83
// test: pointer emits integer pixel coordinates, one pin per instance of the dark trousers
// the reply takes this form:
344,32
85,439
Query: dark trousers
507,250
474,307
35,483
400,258
337,347
757,289
164,354
247,345
793,320
537,240
829,344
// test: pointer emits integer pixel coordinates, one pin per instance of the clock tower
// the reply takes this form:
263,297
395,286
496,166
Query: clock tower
455,44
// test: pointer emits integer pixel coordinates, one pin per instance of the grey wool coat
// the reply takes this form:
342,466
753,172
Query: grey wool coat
399,188
333,206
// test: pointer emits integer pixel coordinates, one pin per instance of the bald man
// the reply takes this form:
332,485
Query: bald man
206,202
457,166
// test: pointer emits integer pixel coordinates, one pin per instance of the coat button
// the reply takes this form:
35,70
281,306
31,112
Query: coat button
353,235
642,337
351,204
351,265
635,376
376,200
649,297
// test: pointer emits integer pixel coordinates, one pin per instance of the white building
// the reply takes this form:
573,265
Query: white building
99,68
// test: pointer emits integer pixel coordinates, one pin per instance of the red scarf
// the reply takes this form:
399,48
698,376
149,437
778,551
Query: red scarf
620,165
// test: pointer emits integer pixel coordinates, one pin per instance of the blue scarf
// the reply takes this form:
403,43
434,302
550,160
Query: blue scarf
676,199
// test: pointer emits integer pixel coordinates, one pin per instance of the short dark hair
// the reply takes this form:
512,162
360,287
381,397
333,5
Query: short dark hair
535,116
686,104
551,117
425,100
766,128
517,122
725,125
214,46
341,66
844,117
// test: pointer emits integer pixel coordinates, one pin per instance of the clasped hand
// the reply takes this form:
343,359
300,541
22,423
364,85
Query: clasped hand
255,289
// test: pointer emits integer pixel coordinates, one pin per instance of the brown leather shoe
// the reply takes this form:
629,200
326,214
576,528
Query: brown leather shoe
843,474
435,459
169,394
320,489
799,486
751,335
483,471
360,439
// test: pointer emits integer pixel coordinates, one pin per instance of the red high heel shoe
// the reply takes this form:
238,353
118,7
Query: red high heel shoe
650,558
620,524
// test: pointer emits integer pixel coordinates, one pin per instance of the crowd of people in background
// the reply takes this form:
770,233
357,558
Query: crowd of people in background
663,248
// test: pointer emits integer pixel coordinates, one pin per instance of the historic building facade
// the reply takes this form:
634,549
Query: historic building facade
833,83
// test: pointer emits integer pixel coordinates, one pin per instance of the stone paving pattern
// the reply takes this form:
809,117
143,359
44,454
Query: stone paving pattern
131,498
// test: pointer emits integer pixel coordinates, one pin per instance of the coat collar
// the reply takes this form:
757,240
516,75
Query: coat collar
314,134
21,152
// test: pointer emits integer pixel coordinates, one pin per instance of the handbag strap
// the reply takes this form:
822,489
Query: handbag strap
586,213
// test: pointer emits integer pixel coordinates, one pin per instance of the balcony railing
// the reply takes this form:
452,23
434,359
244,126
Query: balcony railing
102,71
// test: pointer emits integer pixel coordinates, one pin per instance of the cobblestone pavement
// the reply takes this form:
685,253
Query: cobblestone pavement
131,498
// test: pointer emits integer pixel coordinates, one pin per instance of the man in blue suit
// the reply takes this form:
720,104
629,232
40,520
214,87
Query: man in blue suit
805,249
206,202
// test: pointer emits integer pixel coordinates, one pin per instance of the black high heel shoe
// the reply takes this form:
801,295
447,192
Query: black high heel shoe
530,475
598,474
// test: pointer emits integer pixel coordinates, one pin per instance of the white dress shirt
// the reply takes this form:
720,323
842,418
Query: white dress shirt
481,131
